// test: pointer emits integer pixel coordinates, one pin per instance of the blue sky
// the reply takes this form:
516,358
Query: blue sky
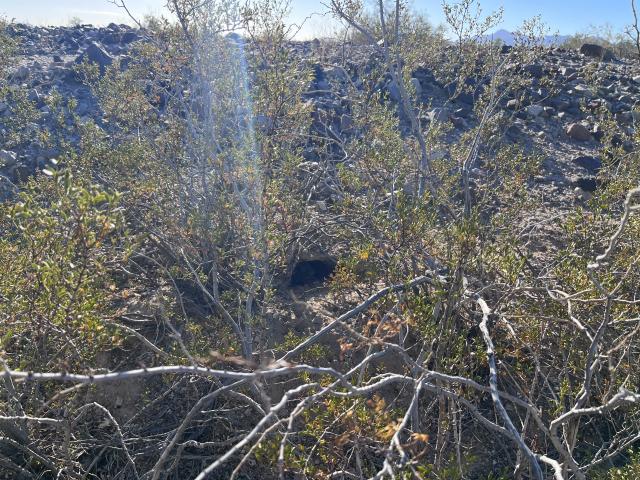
563,16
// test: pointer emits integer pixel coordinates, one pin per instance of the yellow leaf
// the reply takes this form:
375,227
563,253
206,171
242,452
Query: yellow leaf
343,439
420,437
387,432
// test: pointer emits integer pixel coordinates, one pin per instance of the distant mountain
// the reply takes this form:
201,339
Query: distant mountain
508,38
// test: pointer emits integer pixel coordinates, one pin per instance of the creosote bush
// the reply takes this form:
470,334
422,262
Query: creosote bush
63,242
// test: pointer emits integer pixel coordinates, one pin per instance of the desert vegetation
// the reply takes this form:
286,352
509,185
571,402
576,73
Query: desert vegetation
405,251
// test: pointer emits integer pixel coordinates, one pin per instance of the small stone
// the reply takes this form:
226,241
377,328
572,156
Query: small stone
579,132
598,132
535,70
512,104
582,194
584,90
459,122
592,164
439,114
416,86
567,71
535,110
464,97
346,122
437,155
394,91
587,184
8,158
623,117
513,131
21,73
336,74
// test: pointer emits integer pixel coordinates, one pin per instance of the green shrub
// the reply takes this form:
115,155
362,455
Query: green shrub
62,241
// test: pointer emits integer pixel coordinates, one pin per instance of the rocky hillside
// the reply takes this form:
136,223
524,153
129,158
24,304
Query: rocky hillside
45,63
559,113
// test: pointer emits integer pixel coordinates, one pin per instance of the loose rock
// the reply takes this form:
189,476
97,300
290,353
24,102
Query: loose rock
596,51
96,54
579,132
592,164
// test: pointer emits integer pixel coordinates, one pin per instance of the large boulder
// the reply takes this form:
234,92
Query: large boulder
129,37
119,37
596,51
96,54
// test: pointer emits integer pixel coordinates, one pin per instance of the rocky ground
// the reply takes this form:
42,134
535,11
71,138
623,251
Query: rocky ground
45,61
556,116
551,116
560,115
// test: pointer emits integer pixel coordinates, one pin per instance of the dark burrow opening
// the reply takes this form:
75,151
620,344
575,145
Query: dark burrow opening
309,272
